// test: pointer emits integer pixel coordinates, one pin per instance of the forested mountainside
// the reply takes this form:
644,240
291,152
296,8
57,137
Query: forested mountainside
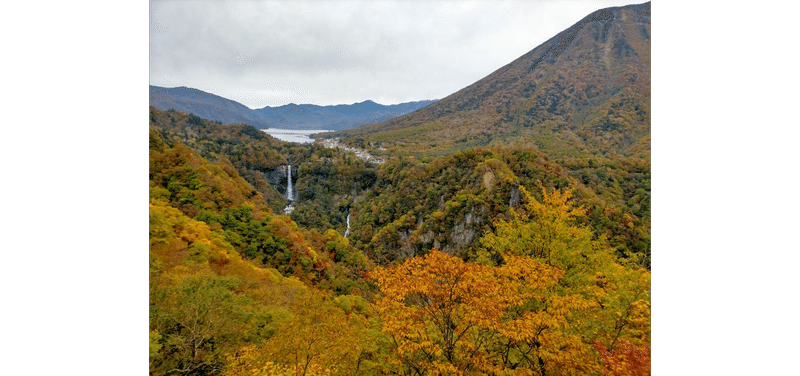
405,195
290,116
237,287
448,203
320,175
585,92
228,276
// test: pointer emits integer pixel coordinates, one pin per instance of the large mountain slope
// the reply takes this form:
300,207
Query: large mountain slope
586,91
291,116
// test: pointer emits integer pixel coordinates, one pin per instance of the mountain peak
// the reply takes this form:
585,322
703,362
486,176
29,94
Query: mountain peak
584,91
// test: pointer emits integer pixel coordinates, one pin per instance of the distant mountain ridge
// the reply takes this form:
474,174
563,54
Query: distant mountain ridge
309,116
290,116
585,91
203,104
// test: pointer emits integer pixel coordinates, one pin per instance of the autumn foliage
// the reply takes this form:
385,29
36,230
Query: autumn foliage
447,316
546,291
236,289
627,360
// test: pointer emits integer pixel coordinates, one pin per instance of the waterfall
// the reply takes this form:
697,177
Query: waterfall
289,190
347,231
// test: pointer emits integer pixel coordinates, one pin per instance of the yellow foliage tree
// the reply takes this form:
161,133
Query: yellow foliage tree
247,362
318,338
611,297
544,230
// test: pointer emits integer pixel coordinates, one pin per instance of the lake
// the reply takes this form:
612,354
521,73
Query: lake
294,135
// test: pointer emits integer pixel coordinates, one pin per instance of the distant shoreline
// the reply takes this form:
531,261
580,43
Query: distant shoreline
300,136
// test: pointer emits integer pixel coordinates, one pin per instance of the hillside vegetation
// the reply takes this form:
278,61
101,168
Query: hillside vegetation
449,202
237,289
332,184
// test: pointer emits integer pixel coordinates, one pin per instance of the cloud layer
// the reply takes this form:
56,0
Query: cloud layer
270,53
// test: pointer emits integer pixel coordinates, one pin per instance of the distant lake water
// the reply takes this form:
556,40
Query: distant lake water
294,135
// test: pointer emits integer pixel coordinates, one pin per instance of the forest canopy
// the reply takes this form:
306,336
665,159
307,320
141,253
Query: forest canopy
486,261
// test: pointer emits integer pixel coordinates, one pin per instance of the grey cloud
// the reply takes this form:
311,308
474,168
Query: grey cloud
264,52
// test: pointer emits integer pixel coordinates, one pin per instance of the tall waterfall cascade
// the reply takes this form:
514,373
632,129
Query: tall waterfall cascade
347,231
289,189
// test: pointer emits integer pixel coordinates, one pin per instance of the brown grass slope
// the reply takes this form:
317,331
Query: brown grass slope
584,92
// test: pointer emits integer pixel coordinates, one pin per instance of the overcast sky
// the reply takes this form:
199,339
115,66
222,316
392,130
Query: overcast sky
271,53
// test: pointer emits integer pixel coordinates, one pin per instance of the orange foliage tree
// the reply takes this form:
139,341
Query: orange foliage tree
447,316
627,360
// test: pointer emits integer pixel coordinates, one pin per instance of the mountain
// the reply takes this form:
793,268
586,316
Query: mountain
204,105
290,116
308,116
584,92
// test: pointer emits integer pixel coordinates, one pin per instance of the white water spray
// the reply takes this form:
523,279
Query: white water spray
347,231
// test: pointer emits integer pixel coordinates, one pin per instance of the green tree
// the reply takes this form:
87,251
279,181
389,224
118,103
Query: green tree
199,317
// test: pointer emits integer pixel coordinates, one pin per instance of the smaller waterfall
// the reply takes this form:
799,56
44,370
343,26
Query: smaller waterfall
289,189
347,231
